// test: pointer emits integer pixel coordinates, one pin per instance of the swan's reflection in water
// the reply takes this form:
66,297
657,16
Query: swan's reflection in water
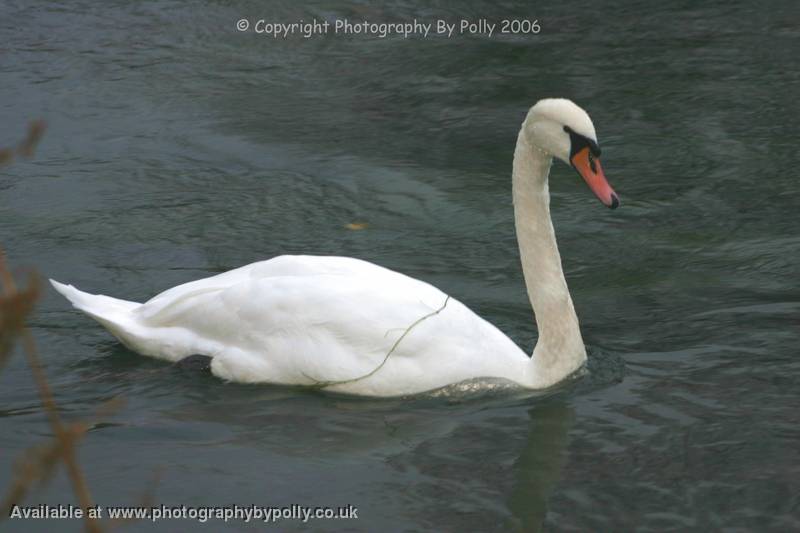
476,456
538,467
441,462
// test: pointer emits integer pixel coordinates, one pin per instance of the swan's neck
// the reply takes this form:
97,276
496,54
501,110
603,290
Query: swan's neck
559,350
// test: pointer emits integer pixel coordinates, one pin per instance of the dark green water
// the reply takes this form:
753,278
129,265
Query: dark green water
178,147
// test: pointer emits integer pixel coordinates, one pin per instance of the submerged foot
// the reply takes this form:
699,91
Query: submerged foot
194,363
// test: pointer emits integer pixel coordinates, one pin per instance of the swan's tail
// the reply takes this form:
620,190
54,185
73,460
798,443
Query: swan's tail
115,315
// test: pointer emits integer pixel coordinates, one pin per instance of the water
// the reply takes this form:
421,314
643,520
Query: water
178,147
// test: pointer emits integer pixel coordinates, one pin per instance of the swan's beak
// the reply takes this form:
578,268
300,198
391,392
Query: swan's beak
592,173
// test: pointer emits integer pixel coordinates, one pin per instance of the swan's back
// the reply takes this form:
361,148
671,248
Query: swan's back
281,266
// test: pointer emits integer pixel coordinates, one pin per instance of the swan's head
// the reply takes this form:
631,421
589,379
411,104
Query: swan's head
562,129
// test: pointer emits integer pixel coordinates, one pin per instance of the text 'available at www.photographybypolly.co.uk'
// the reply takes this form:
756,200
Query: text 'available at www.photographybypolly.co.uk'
155,513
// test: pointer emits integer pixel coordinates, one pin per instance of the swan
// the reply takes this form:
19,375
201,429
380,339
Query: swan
349,326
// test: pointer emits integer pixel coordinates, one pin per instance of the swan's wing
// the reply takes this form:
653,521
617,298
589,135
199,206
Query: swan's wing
306,320
312,320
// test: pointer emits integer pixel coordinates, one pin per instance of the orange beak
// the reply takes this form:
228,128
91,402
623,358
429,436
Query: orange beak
592,173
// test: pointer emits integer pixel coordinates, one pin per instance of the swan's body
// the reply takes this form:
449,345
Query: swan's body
306,319
353,327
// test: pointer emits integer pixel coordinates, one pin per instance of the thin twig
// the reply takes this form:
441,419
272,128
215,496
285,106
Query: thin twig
63,434
38,463
27,146
13,311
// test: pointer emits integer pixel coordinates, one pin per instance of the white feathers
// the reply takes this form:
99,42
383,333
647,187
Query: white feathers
566,113
305,320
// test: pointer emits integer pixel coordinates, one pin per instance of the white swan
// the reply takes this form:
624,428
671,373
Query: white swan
354,327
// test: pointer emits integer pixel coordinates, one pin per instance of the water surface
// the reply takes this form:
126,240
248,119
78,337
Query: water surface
178,148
